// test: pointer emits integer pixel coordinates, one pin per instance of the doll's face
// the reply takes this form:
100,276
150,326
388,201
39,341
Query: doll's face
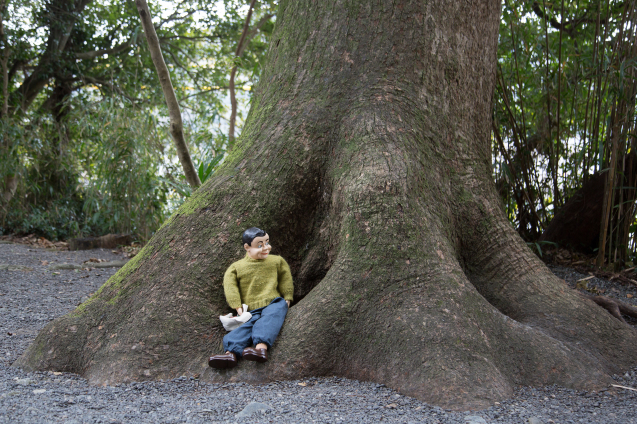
260,247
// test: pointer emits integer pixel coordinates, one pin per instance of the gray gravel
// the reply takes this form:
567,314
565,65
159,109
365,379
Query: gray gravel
31,298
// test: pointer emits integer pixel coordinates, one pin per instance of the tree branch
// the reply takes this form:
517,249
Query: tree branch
176,124
17,64
255,29
114,88
58,37
569,27
199,93
184,37
233,97
125,46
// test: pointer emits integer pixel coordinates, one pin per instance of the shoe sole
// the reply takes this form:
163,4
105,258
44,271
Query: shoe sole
221,364
255,358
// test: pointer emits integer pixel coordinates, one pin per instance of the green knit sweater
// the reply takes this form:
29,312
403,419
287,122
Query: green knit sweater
257,282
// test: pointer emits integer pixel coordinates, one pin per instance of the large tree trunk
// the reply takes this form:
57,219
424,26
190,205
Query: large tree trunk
366,158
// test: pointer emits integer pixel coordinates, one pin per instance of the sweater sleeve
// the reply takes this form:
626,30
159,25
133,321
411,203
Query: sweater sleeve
285,287
231,287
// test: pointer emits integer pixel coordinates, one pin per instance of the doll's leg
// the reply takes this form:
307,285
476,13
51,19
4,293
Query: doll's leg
267,328
241,337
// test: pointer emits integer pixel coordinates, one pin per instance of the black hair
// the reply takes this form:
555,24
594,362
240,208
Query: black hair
250,234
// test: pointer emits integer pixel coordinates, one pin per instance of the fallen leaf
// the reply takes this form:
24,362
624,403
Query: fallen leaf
391,406
629,295
303,384
57,373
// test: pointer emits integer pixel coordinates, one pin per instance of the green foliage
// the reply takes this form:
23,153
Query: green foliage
91,144
120,154
206,169
58,221
565,87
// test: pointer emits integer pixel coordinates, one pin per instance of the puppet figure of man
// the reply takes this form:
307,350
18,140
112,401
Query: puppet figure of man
264,283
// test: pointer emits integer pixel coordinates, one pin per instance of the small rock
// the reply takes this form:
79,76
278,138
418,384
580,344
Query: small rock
39,391
474,419
253,407
535,420
24,381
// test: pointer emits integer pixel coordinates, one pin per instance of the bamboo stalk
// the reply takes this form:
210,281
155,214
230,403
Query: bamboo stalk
553,159
506,156
518,146
607,203
559,100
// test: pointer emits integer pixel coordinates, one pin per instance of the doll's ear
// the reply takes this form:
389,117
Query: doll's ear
246,246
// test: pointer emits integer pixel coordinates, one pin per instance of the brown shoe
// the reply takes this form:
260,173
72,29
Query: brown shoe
223,361
252,354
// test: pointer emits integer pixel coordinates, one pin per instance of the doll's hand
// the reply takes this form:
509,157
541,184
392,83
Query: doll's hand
239,311
288,302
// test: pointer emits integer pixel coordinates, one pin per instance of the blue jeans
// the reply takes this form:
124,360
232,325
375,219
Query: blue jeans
263,327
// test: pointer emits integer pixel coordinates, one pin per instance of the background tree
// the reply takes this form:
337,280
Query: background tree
101,72
366,156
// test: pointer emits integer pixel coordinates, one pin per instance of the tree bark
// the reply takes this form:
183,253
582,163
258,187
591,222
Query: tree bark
176,124
366,157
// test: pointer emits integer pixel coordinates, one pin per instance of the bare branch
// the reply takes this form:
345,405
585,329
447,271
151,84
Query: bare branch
255,29
175,15
184,68
233,97
184,37
181,51
215,88
176,124
114,88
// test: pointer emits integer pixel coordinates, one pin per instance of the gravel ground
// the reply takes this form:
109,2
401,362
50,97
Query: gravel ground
32,296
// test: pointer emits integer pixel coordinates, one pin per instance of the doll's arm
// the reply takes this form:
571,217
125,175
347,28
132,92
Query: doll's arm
231,288
286,286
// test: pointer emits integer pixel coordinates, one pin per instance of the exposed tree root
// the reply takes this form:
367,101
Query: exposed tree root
615,307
